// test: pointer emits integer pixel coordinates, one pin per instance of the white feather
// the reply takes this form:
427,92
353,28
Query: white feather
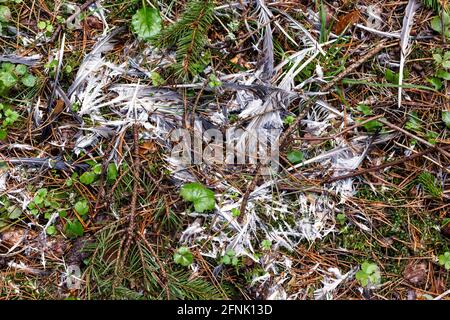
408,19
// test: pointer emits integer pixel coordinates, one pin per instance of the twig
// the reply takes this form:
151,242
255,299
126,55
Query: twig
409,134
385,165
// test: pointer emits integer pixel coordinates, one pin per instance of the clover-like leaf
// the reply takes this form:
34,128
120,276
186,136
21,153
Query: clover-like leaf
82,207
146,23
183,256
88,177
74,228
202,198
28,80
5,14
446,118
369,274
443,74
8,79
444,260
295,157
21,69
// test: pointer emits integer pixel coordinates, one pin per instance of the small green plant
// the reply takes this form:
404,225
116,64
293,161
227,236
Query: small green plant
157,79
372,125
369,274
202,198
51,67
74,228
190,35
90,176
341,218
235,212
441,24
295,157
51,230
183,256
82,207
44,202
214,82
444,260
8,211
266,244
429,184
442,67
46,26
432,4
146,23
5,14
391,76
446,118
289,120
14,76
9,117
230,258
413,122
111,172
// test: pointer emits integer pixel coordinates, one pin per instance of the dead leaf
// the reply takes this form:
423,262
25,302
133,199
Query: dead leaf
346,20
415,273
147,146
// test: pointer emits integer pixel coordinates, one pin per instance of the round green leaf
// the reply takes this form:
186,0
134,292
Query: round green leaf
51,230
202,198
436,24
74,228
8,79
21,69
183,256
41,25
295,157
5,14
29,80
146,23
446,118
88,177
82,207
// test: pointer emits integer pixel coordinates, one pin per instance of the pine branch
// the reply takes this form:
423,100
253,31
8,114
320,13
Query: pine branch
190,35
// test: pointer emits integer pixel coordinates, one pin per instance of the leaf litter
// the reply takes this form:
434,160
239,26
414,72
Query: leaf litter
334,82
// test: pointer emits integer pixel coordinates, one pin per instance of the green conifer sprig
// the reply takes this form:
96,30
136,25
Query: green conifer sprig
432,4
190,35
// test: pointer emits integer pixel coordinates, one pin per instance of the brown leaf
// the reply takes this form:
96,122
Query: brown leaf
147,146
415,273
346,20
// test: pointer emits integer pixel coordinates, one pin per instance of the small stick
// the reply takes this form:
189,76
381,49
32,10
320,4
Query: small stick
409,134
385,165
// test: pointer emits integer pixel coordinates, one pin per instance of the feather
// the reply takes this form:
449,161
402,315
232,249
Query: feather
266,59
29,61
410,11
93,60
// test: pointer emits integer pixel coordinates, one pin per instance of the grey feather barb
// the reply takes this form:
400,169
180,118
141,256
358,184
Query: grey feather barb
47,163
28,61
103,45
266,58
408,19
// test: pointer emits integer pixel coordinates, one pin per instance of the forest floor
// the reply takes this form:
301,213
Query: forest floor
99,199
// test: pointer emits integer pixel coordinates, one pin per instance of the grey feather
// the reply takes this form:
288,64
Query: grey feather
408,19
